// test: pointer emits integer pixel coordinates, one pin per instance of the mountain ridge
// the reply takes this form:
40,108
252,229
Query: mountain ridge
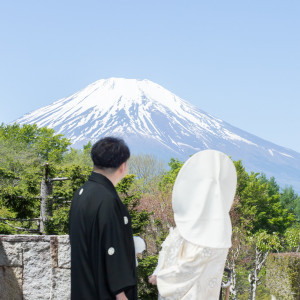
152,119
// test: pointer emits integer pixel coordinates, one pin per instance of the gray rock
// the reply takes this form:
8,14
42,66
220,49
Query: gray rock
11,283
25,238
61,282
63,239
34,267
37,271
64,256
11,254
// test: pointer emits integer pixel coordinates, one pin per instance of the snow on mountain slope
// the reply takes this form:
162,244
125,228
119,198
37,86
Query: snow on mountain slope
154,120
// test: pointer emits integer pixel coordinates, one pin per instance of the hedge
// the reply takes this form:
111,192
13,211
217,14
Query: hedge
283,275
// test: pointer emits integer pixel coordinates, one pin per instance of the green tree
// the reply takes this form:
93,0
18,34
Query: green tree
148,171
292,238
260,221
169,177
18,184
291,201
23,151
62,195
242,177
81,157
238,261
260,211
263,243
45,143
145,166
273,187
139,218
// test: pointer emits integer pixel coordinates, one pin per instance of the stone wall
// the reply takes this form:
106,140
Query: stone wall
34,267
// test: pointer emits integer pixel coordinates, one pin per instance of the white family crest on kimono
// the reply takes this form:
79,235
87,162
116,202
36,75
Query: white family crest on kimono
193,256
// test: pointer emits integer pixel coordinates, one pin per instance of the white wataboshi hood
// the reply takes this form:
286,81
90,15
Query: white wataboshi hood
202,197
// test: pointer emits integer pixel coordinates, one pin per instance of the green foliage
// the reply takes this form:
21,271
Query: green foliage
292,238
242,177
291,201
273,187
4,228
59,223
49,146
169,178
43,141
242,284
283,275
265,216
77,175
145,166
17,200
23,149
146,267
19,185
148,171
163,232
63,192
266,242
15,159
80,157
20,194
261,211
258,212
6,174
262,292
139,218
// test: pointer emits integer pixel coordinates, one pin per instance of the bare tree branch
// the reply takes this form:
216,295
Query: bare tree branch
21,197
21,228
20,220
59,179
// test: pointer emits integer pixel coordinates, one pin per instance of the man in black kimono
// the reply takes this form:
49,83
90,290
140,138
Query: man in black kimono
102,249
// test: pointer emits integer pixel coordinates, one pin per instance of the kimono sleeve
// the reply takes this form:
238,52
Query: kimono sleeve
118,251
198,271
162,252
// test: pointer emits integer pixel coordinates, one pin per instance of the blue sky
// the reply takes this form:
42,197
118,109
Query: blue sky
237,60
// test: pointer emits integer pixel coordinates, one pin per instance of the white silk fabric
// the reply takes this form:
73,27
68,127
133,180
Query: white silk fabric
193,256
188,271
202,196
139,246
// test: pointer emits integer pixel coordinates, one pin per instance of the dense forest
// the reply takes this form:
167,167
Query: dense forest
40,171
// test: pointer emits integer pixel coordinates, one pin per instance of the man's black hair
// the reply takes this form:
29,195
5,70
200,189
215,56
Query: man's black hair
109,152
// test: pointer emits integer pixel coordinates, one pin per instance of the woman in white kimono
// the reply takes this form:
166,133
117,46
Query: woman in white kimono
192,259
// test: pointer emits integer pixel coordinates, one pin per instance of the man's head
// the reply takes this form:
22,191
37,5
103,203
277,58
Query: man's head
110,155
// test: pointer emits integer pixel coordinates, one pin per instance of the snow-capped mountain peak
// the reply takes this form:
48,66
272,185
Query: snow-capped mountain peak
154,120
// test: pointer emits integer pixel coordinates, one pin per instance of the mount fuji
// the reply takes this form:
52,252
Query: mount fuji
153,120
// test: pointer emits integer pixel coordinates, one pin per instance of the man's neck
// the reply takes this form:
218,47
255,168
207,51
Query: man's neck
111,176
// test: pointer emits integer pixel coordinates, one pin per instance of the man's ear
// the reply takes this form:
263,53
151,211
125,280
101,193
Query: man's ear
122,167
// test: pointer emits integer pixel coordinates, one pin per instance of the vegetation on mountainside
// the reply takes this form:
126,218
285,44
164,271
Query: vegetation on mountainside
265,217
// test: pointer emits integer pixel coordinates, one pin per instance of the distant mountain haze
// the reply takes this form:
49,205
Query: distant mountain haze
153,120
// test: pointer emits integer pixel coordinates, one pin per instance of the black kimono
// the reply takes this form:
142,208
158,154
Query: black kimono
102,248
